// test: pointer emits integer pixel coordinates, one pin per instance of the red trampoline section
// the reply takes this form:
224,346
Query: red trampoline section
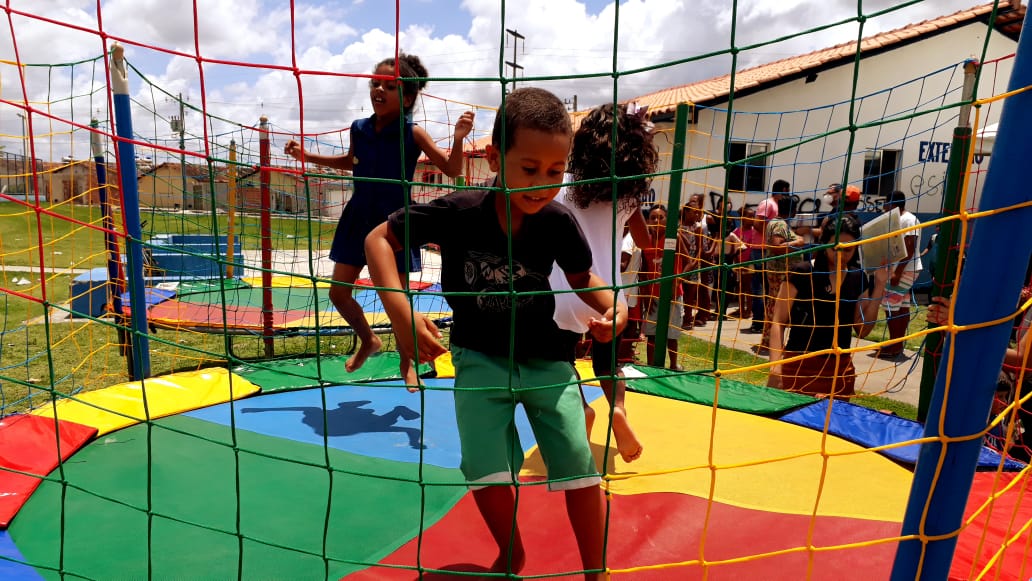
993,539
649,538
30,448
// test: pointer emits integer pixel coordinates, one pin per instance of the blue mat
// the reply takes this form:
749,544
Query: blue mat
379,420
10,569
872,428
152,296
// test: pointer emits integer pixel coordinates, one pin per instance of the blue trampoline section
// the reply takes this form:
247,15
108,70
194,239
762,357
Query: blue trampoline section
9,568
381,419
871,428
152,296
423,303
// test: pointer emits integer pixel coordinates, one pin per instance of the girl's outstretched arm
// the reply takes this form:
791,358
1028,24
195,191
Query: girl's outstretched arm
342,162
451,163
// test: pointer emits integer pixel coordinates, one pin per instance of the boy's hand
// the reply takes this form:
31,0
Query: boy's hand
427,338
293,149
610,325
464,125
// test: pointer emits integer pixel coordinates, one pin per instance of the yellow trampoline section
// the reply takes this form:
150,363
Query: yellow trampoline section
748,461
122,405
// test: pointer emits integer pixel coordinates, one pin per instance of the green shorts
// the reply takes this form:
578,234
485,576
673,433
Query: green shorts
485,408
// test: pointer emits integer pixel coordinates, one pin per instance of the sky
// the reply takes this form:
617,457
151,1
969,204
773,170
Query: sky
249,50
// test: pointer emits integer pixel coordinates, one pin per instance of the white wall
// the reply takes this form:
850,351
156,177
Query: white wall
891,87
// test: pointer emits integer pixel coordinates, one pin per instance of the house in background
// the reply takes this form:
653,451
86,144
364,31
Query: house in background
76,181
162,186
791,117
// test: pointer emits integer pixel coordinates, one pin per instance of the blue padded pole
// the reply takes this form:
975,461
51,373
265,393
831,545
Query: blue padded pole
989,287
131,212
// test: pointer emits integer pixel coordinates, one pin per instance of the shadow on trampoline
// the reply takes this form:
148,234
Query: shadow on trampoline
351,418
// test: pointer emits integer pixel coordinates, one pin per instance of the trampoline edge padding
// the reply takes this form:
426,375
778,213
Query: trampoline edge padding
123,405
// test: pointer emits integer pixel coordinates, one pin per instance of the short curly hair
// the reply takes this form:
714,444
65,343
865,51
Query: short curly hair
529,108
594,156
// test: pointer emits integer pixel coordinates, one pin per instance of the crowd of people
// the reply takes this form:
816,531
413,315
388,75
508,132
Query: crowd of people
801,284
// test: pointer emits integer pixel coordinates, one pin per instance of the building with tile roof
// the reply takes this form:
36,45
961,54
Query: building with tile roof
801,119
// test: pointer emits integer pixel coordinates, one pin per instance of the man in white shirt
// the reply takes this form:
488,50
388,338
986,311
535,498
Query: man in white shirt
903,274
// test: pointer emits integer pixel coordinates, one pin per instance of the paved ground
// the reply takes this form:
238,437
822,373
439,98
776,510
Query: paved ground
896,380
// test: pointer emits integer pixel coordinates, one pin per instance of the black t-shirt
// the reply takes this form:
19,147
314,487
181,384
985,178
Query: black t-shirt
475,259
812,316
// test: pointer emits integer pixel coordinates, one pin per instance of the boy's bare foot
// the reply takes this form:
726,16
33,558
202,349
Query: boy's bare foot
366,349
589,419
410,374
626,441
505,564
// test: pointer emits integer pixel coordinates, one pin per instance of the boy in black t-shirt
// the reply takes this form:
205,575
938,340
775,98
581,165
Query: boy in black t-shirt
497,250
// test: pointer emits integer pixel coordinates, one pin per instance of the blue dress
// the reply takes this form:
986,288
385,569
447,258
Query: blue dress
375,155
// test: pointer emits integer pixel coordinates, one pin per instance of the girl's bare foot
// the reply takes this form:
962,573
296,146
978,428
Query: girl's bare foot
366,349
626,441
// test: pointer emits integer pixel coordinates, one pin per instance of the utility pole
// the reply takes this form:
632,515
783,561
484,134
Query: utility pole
571,104
516,39
179,126
25,155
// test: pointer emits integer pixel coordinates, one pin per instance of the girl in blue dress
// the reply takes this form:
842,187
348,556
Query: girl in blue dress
377,146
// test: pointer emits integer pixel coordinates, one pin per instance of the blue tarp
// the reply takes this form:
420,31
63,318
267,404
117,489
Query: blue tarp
871,428
152,296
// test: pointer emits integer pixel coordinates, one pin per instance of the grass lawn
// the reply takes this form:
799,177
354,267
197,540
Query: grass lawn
68,243
87,355
696,354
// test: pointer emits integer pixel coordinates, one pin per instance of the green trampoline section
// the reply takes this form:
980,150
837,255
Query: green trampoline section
311,372
702,389
231,504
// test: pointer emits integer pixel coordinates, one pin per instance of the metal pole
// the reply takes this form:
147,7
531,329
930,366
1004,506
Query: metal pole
231,178
182,147
265,161
988,290
26,168
116,278
130,212
946,245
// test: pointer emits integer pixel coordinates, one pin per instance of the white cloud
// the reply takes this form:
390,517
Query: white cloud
564,38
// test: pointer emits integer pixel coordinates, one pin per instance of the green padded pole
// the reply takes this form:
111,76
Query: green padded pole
666,287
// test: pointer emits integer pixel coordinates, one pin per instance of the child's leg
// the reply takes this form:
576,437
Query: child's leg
672,352
606,366
586,509
497,505
491,451
744,288
690,293
348,307
589,414
897,321
627,442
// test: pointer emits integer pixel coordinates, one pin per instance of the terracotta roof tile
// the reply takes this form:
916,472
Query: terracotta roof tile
719,87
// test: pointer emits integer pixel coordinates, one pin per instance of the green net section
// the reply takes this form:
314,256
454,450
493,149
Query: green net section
236,237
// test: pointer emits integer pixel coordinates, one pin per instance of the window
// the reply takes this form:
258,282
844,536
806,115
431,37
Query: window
750,176
881,172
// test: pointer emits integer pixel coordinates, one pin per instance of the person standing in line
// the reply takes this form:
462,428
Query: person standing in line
898,296
821,305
